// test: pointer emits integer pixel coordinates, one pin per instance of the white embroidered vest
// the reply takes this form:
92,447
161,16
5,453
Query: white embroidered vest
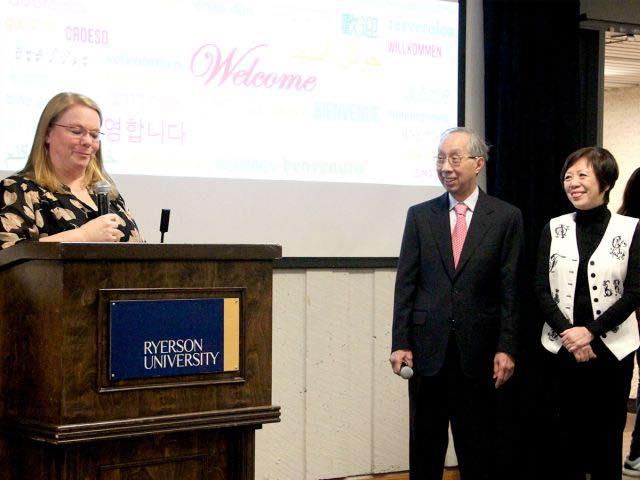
606,272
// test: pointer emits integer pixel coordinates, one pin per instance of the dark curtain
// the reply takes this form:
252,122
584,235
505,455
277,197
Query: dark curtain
533,102
540,105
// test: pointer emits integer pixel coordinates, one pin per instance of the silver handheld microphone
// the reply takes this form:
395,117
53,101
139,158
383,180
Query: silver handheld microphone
406,371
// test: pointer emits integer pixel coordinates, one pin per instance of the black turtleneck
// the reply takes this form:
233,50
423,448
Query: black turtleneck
590,228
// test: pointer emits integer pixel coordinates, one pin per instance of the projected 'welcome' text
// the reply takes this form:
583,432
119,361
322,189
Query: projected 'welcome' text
178,353
244,70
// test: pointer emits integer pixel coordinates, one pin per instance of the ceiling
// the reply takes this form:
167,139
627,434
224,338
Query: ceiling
621,61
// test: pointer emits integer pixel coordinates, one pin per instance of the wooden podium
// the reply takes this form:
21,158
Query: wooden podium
64,417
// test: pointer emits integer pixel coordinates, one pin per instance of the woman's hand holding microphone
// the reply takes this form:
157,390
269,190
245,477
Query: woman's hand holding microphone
102,229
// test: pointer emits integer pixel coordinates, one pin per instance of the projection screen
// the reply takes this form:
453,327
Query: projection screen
311,124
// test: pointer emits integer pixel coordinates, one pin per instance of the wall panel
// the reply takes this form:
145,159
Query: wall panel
343,411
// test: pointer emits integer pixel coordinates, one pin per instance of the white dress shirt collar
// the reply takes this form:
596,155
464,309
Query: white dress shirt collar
470,201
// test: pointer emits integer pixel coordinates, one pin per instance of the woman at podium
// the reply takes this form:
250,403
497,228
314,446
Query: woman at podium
54,197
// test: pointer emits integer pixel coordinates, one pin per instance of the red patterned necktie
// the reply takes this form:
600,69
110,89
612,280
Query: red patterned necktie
459,232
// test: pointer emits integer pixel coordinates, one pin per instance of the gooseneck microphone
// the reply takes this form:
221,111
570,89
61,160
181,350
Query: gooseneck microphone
102,192
164,223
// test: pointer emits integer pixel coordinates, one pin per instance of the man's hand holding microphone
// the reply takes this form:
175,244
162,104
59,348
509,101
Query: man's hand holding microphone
402,363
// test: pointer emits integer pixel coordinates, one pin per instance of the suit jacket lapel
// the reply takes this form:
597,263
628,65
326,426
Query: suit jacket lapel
441,229
480,224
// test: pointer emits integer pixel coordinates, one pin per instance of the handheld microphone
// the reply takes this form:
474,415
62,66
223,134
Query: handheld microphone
102,192
164,223
406,371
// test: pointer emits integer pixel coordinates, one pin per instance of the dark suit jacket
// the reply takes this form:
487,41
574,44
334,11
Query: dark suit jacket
477,302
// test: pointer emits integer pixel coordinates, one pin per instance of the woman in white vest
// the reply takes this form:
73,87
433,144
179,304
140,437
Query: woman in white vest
588,286
631,208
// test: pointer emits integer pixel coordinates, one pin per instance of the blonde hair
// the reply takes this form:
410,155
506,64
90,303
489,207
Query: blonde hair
39,167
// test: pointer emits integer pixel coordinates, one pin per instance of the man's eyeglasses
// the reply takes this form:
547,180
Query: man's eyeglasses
455,160
78,131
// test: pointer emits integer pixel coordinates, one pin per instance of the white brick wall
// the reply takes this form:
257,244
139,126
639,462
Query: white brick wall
621,135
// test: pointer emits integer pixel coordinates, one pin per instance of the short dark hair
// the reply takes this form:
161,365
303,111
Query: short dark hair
631,198
603,163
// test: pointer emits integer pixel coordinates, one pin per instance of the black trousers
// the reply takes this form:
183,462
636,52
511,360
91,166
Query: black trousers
634,449
469,404
586,412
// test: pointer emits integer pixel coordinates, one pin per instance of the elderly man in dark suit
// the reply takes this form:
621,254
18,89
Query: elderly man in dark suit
455,314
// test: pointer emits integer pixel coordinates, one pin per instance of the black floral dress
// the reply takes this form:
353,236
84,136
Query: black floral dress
29,212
